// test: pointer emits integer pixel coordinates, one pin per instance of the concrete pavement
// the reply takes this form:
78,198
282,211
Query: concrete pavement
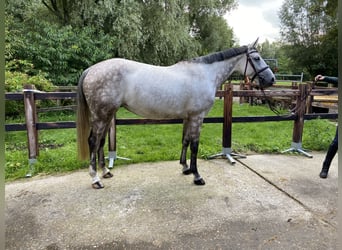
261,202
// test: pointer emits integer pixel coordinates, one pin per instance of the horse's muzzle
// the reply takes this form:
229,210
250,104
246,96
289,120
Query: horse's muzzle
266,81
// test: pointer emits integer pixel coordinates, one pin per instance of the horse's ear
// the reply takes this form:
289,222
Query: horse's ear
253,45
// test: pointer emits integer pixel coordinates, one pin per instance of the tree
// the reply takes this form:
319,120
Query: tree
63,37
64,52
165,30
214,34
208,26
61,9
309,33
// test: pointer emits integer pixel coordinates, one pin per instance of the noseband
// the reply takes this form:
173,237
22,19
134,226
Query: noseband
256,72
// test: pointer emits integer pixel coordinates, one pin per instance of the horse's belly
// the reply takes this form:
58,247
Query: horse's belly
155,110
167,97
168,107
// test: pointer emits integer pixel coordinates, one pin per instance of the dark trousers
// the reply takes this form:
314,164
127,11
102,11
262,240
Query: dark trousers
331,152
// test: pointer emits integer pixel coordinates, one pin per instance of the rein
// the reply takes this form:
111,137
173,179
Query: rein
291,112
273,107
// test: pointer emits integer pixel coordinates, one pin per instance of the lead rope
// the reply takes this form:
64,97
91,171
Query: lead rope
271,106
293,111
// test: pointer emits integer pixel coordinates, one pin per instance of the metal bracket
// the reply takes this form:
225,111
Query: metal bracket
227,153
112,157
297,147
30,172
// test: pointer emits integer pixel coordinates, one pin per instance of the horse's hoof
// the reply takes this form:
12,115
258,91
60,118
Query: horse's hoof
186,171
97,185
199,182
108,175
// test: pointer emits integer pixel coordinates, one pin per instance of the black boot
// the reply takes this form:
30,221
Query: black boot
324,172
328,158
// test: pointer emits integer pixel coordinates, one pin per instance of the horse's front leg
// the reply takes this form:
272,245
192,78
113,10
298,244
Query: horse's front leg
198,180
186,169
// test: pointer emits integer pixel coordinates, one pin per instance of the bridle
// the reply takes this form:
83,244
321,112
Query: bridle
250,61
257,74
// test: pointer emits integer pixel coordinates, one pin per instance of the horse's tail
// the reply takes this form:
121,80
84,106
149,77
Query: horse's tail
82,123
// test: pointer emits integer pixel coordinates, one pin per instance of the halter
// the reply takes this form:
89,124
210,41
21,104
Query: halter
256,72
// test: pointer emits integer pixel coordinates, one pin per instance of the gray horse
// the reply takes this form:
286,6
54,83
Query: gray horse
185,90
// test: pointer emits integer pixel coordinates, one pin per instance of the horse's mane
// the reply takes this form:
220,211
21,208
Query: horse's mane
220,56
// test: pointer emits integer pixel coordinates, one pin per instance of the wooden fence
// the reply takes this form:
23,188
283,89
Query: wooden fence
302,96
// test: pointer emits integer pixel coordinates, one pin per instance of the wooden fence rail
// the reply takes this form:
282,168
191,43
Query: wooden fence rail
301,95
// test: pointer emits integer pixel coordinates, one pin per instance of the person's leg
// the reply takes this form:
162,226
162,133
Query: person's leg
329,157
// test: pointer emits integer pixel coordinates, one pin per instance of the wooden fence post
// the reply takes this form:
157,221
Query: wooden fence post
112,143
227,126
310,99
31,121
299,121
112,156
298,125
227,116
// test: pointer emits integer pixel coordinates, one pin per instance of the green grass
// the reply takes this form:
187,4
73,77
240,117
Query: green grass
149,143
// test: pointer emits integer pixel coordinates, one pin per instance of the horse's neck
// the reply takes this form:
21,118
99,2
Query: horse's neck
223,69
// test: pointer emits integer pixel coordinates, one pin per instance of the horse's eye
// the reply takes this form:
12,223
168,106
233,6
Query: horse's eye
257,58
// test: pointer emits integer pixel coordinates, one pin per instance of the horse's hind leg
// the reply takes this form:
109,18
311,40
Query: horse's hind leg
191,133
92,141
105,171
96,142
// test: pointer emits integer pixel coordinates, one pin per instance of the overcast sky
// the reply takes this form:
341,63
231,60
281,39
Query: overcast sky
253,19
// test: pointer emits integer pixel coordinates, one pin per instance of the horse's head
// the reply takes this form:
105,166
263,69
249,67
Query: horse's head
257,69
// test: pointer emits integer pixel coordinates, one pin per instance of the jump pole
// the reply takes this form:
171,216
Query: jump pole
227,127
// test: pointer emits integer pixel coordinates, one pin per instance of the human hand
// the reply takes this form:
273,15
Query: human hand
319,78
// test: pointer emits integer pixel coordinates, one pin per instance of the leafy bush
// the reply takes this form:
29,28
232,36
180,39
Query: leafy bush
15,82
62,52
